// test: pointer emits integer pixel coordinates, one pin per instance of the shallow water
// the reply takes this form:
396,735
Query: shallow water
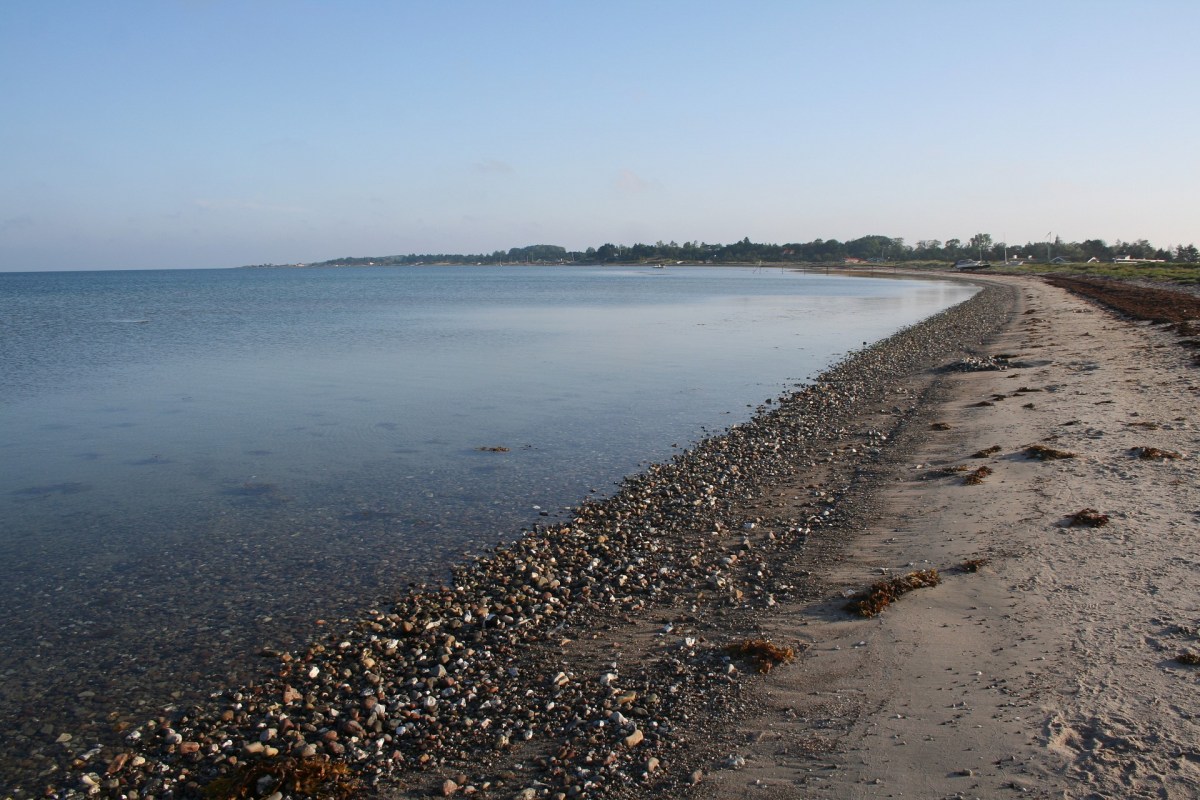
197,464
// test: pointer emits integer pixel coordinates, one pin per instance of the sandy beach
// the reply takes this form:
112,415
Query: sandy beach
1052,671
621,654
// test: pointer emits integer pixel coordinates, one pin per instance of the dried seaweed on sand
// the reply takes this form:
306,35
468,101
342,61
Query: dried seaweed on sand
1154,454
309,776
871,602
1089,517
976,476
763,652
1043,453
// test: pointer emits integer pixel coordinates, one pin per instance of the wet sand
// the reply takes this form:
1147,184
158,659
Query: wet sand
602,657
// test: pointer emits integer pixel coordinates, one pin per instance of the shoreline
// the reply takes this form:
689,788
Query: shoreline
591,658
594,584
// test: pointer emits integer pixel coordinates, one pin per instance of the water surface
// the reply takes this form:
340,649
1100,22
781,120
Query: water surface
195,464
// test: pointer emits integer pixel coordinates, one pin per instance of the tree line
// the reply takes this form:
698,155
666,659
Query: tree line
873,248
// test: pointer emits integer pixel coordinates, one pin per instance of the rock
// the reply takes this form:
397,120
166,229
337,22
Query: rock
635,738
449,787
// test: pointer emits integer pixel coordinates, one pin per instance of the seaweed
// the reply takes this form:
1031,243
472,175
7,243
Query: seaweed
314,777
1154,453
973,564
1088,517
1043,453
763,652
981,404
1188,657
496,449
939,426
882,594
986,452
976,476
944,472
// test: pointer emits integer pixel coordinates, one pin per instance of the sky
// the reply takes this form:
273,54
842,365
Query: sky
214,133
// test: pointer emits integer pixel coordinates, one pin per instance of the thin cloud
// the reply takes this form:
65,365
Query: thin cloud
629,182
232,204
492,166
15,224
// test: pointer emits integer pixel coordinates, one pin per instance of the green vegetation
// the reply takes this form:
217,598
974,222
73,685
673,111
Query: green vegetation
1125,260
1160,273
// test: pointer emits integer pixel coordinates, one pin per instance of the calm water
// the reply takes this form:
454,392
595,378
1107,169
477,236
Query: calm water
194,464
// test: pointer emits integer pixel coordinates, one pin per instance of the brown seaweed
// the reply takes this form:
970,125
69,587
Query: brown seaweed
1043,453
765,654
976,476
882,594
1154,453
1088,517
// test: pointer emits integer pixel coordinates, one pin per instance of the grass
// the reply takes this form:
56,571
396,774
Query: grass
1163,273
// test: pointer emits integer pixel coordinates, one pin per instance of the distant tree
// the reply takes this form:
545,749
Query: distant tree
1095,248
980,243
1187,254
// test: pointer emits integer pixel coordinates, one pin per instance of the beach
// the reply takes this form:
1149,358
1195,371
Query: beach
1054,670
689,635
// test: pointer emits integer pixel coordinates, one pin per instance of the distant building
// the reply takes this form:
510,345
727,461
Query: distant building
852,260
1060,260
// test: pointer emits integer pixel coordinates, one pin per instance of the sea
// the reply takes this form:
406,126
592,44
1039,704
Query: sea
198,465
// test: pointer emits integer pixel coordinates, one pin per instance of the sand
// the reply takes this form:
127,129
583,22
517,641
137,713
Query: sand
1051,671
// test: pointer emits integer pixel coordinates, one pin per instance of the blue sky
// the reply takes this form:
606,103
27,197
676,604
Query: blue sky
208,133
